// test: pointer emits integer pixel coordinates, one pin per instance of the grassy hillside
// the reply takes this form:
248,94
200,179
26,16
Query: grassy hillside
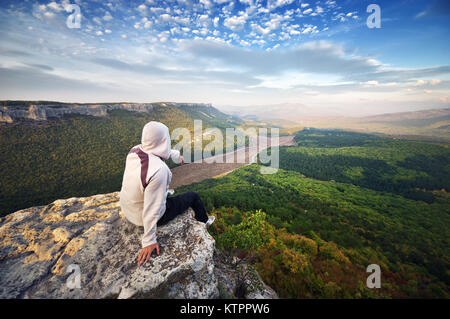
315,238
80,155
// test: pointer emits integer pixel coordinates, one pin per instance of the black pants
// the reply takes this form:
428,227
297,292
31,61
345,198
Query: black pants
178,204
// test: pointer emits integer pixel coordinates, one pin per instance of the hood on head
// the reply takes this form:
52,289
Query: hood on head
156,139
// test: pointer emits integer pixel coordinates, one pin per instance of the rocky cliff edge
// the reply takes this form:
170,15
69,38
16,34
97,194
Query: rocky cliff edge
85,248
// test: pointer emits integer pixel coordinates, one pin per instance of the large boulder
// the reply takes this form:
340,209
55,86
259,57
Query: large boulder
42,249
85,248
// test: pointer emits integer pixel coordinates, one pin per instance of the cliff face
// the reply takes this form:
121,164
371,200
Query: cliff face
43,249
41,112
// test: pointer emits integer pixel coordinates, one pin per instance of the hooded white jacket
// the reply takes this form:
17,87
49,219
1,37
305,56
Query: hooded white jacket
144,207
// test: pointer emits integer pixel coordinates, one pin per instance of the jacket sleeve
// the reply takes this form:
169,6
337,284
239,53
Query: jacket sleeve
154,205
175,156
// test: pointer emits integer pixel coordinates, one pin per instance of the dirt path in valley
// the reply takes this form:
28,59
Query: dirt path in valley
199,171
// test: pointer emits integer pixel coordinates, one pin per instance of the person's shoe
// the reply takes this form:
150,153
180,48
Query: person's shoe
211,220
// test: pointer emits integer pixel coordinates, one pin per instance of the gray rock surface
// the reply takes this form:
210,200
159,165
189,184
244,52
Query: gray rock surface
40,243
237,278
42,248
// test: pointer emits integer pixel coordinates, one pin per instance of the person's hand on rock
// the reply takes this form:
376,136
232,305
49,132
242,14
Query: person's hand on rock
146,252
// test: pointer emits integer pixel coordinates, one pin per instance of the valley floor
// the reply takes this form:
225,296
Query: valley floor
197,172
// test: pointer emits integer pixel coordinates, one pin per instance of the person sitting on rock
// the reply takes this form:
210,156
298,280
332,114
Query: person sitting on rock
143,196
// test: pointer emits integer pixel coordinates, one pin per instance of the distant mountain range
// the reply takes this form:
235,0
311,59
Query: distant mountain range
433,122
285,111
417,118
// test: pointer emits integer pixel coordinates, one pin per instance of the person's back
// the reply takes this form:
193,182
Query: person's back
135,183
143,196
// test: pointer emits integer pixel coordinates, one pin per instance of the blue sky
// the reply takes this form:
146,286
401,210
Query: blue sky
318,54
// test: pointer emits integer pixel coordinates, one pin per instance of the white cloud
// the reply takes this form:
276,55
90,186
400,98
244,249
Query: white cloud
157,10
271,25
148,24
260,42
142,9
204,20
236,23
420,83
425,82
49,14
55,6
310,29
97,20
434,82
340,16
274,22
207,3
279,3
445,99
185,21
244,43
165,17
259,29
164,36
107,16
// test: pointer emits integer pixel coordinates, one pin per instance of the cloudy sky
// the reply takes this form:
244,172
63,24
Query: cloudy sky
320,54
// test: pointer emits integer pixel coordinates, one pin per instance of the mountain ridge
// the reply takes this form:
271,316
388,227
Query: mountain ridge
428,123
11,111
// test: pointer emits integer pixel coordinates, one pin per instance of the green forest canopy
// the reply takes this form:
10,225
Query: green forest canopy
335,228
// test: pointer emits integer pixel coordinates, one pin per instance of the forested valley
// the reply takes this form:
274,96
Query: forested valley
340,202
